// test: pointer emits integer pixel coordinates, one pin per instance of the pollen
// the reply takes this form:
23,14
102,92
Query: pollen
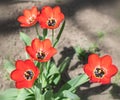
99,72
29,75
51,22
40,55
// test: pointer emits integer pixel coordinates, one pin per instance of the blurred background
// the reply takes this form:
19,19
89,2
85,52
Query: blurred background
92,26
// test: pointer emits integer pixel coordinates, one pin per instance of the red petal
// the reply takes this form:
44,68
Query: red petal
106,61
52,51
56,10
47,44
47,11
27,13
94,79
37,44
112,70
32,66
31,52
17,75
58,15
88,70
94,60
20,65
24,84
105,80
34,11
22,19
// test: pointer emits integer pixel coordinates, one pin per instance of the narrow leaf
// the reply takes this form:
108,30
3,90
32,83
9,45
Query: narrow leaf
64,64
73,83
70,95
59,34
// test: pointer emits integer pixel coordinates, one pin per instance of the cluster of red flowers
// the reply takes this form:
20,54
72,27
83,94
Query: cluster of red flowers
49,18
98,69
41,50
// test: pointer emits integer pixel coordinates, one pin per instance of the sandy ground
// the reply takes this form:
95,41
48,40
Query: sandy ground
84,19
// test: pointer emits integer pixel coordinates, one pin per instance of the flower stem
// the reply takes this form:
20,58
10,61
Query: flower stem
37,31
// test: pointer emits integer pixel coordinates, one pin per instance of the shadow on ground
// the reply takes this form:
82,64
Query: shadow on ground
69,8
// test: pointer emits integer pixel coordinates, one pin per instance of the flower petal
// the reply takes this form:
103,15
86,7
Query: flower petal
27,13
32,66
31,51
22,19
47,44
94,79
17,75
52,51
47,11
112,70
105,80
34,11
106,61
94,60
88,70
24,84
20,65
37,44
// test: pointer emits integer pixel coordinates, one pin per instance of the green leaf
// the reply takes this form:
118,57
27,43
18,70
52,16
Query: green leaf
14,94
70,95
49,95
73,84
26,39
9,66
54,73
45,31
59,34
38,95
64,64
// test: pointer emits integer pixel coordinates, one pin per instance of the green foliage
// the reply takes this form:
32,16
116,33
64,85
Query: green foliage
26,39
59,34
9,66
14,94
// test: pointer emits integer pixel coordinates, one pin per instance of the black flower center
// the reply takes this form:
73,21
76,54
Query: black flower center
51,22
29,75
40,55
99,72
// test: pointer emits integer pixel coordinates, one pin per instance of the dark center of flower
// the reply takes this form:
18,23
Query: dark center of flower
51,22
40,55
99,72
28,75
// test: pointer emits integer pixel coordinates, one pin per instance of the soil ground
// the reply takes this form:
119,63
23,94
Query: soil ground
84,20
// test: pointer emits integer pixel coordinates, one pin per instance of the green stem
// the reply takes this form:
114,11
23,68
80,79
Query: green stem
37,31
52,35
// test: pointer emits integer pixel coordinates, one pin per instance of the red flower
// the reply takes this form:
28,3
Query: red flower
100,69
41,50
25,74
29,17
50,17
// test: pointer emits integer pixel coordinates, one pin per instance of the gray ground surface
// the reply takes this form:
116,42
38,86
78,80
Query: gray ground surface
84,19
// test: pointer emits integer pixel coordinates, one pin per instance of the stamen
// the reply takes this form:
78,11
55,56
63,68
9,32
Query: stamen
99,72
28,75
31,19
40,55
51,22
